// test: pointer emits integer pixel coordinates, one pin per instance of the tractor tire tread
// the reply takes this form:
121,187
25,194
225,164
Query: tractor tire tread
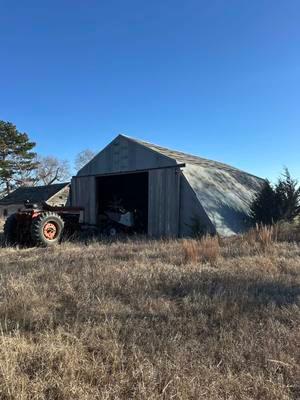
37,227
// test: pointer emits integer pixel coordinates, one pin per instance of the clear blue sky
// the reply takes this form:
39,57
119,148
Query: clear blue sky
220,79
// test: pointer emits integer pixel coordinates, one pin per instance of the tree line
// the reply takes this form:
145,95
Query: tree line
20,165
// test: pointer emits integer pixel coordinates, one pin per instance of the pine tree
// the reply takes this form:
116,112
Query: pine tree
287,195
281,203
263,209
16,157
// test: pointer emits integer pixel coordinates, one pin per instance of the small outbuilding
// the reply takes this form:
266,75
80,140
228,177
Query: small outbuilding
176,194
55,195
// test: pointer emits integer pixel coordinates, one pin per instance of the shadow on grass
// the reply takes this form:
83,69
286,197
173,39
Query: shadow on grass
206,294
210,303
246,291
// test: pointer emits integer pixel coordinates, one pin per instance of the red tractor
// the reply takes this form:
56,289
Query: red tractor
45,225
41,226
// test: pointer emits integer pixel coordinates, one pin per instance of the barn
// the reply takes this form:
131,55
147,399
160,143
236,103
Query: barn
176,194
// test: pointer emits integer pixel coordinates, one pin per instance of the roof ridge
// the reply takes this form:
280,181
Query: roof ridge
164,148
216,163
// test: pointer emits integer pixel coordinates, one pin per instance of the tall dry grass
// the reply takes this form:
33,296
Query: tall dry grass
144,319
205,249
262,235
2,221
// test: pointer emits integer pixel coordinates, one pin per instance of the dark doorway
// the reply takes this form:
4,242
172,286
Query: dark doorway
129,192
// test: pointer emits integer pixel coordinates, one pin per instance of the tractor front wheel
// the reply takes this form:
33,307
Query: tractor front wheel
47,229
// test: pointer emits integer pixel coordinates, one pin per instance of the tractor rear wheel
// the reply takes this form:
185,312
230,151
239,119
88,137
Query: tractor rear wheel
47,229
10,230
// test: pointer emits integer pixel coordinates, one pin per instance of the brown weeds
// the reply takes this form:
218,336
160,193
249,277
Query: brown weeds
132,321
261,237
206,249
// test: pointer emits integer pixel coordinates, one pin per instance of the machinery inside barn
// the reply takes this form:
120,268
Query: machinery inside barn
122,204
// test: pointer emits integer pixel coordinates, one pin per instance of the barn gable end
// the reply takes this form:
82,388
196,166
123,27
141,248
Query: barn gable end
124,154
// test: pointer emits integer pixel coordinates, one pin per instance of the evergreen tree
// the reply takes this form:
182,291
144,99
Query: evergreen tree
275,204
287,195
263,209
16,157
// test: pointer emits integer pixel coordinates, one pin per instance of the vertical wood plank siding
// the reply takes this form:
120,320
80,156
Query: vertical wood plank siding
163,208
84,195
124,155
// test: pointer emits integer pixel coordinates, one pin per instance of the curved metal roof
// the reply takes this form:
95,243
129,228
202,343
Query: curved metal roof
225,192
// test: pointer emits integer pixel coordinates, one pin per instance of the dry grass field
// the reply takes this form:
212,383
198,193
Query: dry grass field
151,320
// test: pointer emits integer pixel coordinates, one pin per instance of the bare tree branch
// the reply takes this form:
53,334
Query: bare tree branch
83,158
51,169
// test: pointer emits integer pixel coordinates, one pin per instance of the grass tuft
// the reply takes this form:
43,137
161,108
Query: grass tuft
206,249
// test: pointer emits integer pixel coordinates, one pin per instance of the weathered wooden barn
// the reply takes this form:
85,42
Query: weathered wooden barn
176,193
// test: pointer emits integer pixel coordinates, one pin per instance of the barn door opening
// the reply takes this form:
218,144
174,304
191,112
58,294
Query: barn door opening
126,195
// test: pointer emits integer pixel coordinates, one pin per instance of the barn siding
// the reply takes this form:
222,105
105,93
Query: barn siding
83,194
124,155
163,207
